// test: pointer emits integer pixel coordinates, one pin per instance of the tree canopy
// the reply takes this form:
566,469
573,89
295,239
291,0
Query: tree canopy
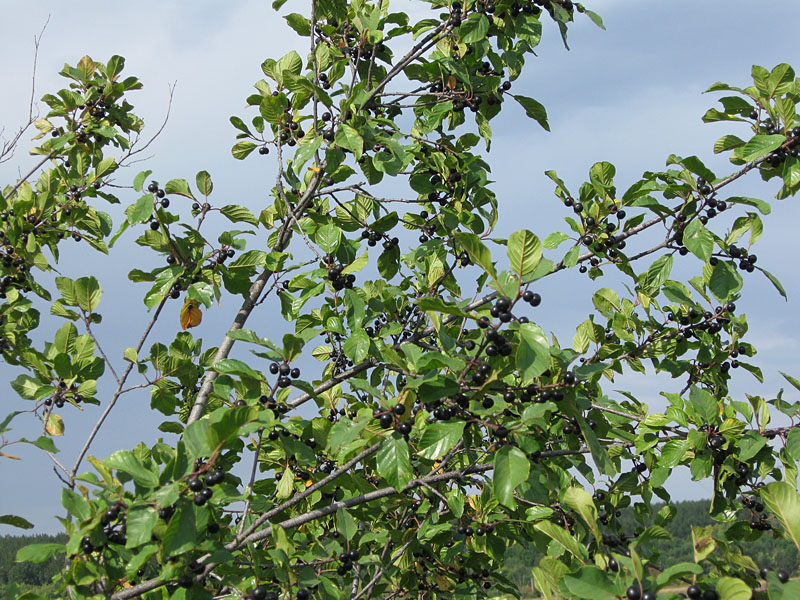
443,425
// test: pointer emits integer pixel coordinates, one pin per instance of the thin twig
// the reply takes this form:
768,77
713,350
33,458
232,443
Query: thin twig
252,481
115,397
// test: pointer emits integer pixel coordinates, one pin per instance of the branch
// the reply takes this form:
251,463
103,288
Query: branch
114,398
312,515
10,146
249,303
368,588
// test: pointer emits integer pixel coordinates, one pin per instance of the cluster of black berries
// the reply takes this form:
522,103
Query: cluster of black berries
202,486
290,131
223,254
262,593
87,547
776,157
758,518
270,403
782,575
285,371
114,524
64,393
338,280
340,361
635,592
161,200
347,559
598,236
19,279
695,321
97,108
746,260
182,284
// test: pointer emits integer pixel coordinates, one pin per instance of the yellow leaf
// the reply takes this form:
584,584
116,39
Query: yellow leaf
309,483
55,425
442,581
191,316
452,82
10,456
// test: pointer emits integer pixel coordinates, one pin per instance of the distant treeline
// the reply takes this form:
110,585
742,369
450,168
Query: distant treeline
28,576
766,551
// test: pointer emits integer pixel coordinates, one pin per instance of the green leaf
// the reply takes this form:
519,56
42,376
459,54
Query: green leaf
346,524
511,468
141,211
75,504
348,138
242,149
239,214
127,462
563,538
87,293
698,240
724,281
4,423
394,462
38,553
606,301
439,438
727,142
775,282
534,110
232,366
299,23
356,347
596,19
291,62
328,238
533,352
285,485
590,582
759,146
780,591
751,444
656,275
15,521
478,252
792,443
554,240
138,181
139,524
202,292
783,501
182,531
704,404
180,187
204,184
474,28
678,570
730,588
579,500
524,252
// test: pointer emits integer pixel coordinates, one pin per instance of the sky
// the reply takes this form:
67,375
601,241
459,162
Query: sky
631,95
